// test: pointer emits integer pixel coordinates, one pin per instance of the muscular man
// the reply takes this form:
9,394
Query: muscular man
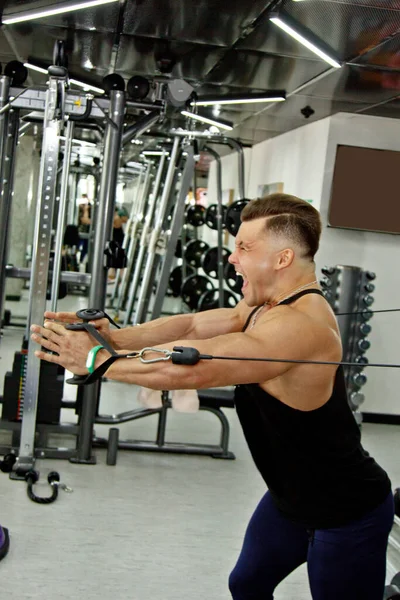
328,502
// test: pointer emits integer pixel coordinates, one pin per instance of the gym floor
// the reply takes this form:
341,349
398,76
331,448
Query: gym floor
153,526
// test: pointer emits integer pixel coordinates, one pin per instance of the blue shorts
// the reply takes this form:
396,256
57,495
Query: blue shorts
344,563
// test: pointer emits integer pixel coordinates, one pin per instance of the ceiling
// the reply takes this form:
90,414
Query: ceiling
229,47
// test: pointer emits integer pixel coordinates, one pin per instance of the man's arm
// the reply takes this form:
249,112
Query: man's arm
287,335
192,326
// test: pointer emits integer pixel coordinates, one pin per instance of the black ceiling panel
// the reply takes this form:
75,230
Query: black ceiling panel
214,22
352,84
83,48
139,55
252,69
291,109
347,28
386,55
99,18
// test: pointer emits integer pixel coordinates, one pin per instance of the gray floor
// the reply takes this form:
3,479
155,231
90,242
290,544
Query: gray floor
153,526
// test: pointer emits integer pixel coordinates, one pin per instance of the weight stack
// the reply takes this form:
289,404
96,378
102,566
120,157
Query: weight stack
51,386
349,292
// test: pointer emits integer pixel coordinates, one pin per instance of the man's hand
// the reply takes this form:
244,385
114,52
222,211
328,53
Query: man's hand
64,318
71,347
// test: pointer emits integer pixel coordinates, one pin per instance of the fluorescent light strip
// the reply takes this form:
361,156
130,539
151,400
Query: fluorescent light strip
206,120
241,101
297,36
154,153
85,86
28,15
81,142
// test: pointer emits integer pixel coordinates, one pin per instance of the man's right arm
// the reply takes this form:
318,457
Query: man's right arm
192,326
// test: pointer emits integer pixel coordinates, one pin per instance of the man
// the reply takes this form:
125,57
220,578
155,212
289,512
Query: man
328,502
85,219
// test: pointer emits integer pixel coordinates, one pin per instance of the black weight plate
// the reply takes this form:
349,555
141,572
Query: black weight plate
196,215
211,219
138,87
194,252
210,300
193,287
233,281
232,217
16,71
210,261
175,279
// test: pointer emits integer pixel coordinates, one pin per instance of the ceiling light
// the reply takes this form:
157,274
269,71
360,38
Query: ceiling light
85,86
284,22
154,153
80,142
57,9
220,124
251,99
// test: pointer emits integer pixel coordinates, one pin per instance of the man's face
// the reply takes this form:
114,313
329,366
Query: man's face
254,258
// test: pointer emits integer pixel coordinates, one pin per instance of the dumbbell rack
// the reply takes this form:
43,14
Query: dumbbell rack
348,290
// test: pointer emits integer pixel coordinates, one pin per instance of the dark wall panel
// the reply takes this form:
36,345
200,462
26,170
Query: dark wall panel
365,190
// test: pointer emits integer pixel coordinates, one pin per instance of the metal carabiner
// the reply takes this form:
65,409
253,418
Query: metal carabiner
167,355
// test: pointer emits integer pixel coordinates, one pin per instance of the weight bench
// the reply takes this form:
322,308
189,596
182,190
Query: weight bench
211,400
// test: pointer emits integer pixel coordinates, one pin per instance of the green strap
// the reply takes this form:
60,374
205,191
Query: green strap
91,358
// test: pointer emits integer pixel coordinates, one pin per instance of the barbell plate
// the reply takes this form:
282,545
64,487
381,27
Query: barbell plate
175,279
233,281
196,215
210,261
210,300
194,252
193,288
211,219
232,217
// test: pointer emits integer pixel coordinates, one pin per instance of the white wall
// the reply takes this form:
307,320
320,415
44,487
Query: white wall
295,158
376,252
303,160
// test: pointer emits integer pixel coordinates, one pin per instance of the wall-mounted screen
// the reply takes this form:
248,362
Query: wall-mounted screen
365,190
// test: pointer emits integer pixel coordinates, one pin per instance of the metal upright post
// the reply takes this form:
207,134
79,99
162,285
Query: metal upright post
134,239
239,149
155,234
61,216
175,230
40,262
97,295
127,236
143,240
8,141
219,226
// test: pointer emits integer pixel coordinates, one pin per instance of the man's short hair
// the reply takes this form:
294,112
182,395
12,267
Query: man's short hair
289,216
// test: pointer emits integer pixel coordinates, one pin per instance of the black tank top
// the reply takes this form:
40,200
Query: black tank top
313,463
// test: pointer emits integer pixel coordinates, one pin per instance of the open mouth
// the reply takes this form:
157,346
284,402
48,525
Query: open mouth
245,281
